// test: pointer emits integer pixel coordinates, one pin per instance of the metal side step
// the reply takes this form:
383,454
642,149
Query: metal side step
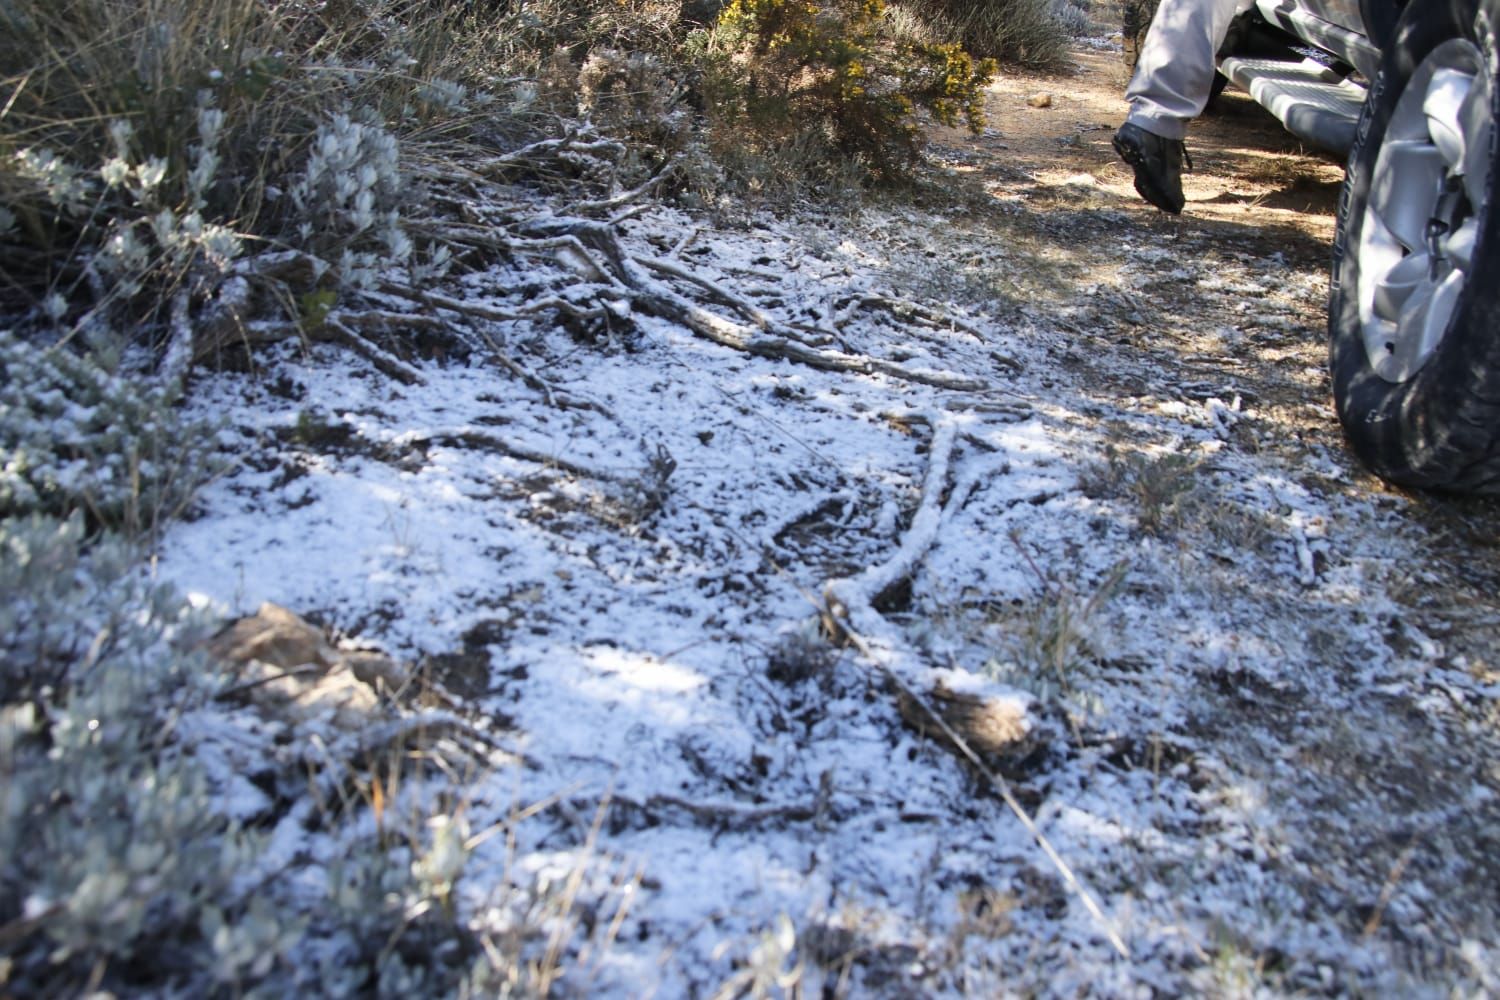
1317,105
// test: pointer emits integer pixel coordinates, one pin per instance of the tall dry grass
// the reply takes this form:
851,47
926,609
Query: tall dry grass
144,145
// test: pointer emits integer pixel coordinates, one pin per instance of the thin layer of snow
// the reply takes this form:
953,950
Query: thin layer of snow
635,674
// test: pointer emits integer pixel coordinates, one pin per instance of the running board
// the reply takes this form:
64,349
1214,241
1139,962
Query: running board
1317,105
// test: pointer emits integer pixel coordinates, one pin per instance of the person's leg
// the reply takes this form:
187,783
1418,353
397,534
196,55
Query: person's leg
1175,72
1172,81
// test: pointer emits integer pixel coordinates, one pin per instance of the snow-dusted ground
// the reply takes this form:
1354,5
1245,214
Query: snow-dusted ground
648,658
1264,689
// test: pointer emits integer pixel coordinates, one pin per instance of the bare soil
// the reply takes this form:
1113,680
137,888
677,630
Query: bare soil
1067,210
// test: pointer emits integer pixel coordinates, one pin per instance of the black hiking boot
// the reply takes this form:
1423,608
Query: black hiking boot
1157,163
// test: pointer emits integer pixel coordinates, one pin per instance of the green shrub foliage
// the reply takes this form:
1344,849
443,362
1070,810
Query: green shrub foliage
110,842
137,860
828,76
148,147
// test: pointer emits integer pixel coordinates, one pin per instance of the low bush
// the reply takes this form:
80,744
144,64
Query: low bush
80,434
145,148
830,81
121,867
1032,33
109,837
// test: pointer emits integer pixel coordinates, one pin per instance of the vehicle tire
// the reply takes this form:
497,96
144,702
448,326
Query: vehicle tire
1414,312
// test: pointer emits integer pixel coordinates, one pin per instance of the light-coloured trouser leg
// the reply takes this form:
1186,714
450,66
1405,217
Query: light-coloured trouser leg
1175,71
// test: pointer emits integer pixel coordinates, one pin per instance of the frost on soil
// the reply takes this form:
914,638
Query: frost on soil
1263,752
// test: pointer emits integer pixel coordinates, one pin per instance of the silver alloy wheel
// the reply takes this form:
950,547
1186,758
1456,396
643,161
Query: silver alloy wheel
1420,222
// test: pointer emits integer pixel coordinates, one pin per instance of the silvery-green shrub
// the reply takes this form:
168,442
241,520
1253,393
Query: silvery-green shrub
111,842
117,854
78,433
349,199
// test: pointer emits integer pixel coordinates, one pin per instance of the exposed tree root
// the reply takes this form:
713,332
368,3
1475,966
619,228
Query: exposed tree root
609,282
598,245
573,149
633,196
335,327
179,353
855,595
751,312
904,309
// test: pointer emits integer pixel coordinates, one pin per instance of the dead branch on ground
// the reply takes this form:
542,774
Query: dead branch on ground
606,281
658,299
849,613
474,438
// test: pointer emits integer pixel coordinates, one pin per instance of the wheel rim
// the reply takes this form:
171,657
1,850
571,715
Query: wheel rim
1421,221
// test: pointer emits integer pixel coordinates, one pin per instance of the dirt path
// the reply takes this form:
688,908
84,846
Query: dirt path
1246,171
1065,205
1367,793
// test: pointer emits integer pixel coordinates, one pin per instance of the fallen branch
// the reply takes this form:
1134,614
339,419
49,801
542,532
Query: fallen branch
751,312
387,320
658,299
727,814
633,195
174,362
336,323
476,310
848,613
554,395
733,811
967,433
905,307
879,658
469,437
771,533
591,250
338,327
846,595
661,301
533,155
28,923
